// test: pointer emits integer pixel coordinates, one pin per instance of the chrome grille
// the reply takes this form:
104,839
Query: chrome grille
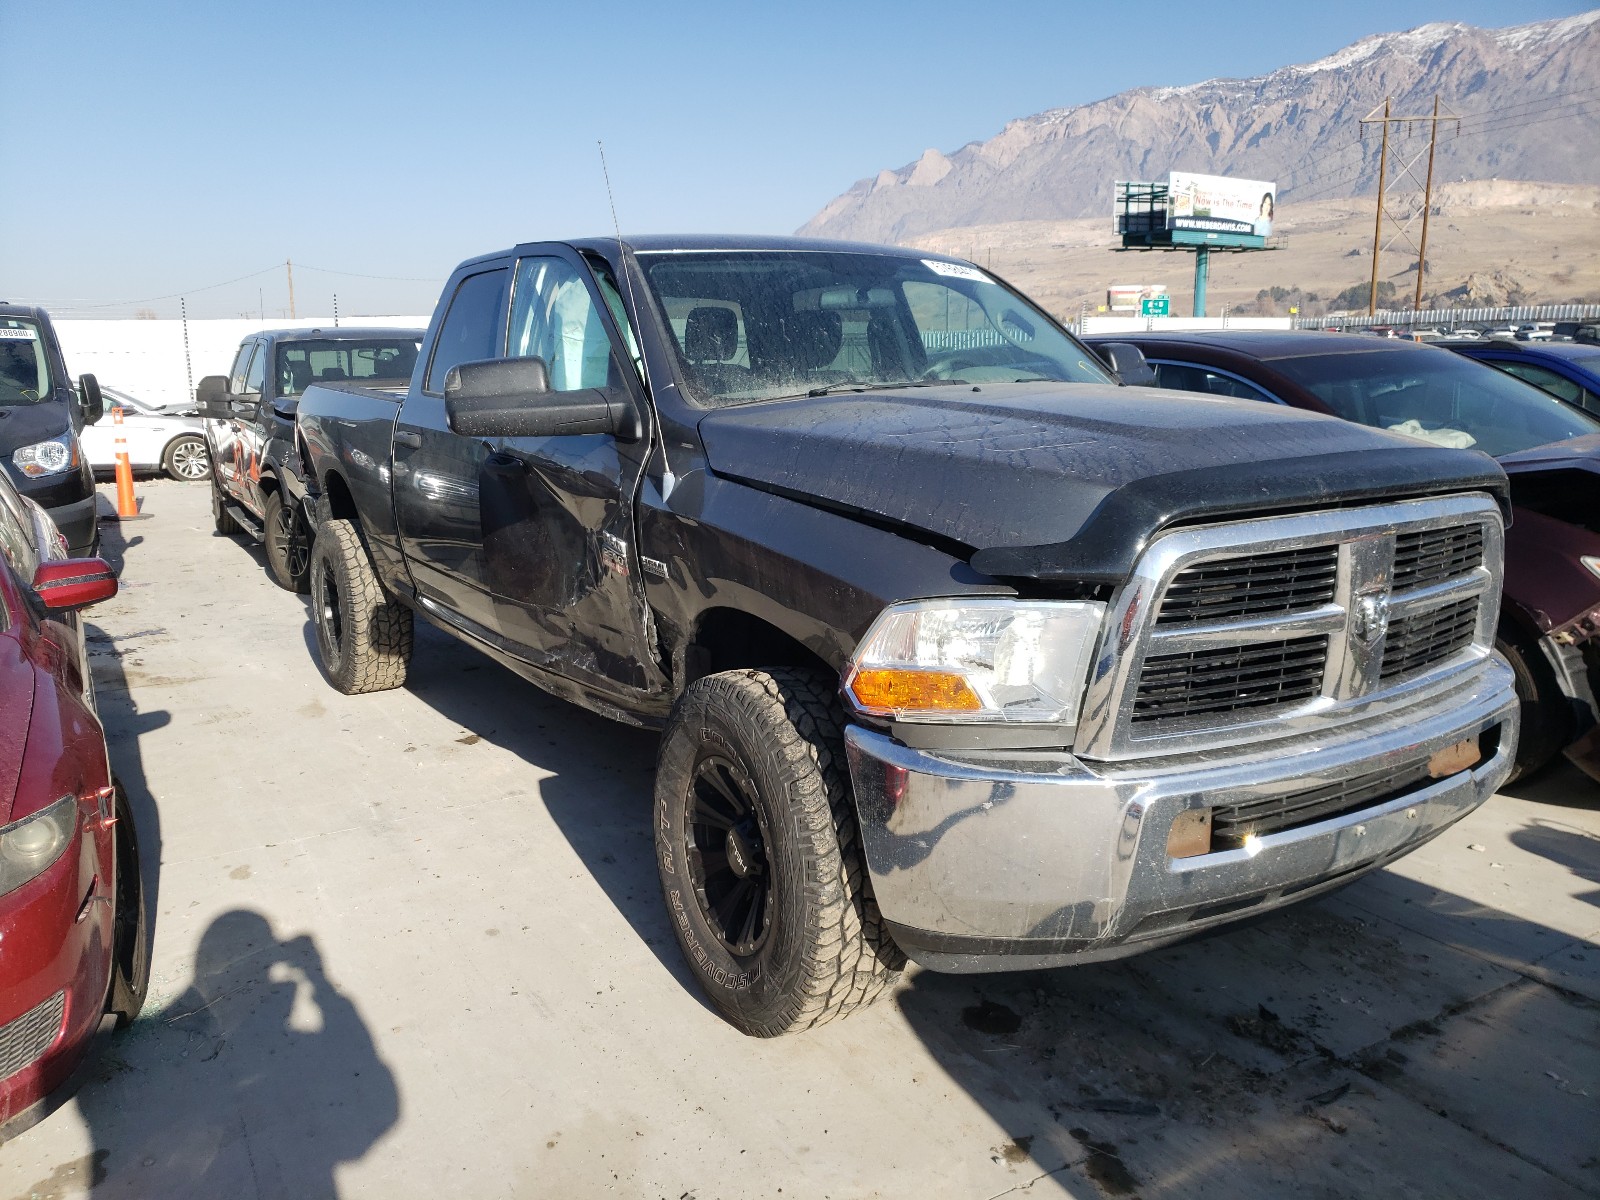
24,1040
1425,557
1230,678
1417,641
1254,585
1249,630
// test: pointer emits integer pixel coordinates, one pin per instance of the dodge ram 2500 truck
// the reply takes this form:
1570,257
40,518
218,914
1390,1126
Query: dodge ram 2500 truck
250,423
961,650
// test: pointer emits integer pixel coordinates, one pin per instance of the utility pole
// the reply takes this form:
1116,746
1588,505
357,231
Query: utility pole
289,266
1402,216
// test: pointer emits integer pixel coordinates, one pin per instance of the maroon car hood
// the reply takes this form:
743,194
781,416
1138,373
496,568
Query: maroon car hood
16,711
1579,453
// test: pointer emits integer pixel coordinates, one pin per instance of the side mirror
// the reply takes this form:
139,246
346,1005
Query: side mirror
511,397
1127,360
90,402
211,397
74,583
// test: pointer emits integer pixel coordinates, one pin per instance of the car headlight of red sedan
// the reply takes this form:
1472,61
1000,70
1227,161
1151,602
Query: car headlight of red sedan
28,847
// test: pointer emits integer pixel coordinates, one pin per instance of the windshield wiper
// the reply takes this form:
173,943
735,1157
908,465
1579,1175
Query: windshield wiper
856,386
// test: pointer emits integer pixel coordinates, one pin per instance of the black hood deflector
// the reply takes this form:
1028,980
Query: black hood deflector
1068,482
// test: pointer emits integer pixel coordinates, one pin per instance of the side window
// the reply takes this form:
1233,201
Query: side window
241,364
1558,386
619,312
554,318
256,375
473,329
1188,377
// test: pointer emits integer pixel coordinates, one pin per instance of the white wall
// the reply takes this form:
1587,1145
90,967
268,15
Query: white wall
148,359
1158,324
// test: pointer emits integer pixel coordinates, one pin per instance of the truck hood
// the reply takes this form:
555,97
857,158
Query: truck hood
24,424
1066,481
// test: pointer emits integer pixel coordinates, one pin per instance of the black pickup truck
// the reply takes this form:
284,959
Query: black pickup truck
962,650
250,421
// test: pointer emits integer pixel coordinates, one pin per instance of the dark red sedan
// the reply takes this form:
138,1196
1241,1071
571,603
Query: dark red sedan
73,957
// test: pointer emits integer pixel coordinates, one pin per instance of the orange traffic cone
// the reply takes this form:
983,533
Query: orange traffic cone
127,504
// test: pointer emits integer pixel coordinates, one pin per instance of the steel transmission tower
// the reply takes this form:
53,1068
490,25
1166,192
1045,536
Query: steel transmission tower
1404,200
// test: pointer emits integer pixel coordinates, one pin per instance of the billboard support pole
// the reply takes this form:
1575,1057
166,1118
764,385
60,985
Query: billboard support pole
1202,269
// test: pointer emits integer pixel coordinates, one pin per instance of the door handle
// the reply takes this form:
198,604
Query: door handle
404,437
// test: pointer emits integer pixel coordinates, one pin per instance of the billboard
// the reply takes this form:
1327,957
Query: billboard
1217,204
1125,297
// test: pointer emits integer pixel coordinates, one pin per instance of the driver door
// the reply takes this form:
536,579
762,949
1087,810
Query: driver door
558,546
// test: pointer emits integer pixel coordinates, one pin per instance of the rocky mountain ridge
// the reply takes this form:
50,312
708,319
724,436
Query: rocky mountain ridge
1522,94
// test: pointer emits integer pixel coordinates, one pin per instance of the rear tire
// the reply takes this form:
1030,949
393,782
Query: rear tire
363,637
1546,713
220,516
760,862
187,460
288,545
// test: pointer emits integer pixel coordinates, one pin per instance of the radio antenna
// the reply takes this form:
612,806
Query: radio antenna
668,480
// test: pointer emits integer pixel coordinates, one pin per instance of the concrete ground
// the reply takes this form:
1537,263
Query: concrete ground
411,945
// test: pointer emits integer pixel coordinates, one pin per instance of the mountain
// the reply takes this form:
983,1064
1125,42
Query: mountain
1522,94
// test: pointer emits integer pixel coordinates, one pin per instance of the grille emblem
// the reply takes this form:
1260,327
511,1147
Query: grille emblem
1371,618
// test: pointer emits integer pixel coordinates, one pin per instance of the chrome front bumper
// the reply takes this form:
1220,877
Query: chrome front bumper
1009,860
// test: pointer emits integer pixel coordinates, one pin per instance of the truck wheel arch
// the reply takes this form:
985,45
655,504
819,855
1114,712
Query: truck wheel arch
337,501
730,639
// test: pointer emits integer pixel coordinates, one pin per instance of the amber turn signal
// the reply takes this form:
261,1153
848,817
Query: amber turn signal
1190,835
886,691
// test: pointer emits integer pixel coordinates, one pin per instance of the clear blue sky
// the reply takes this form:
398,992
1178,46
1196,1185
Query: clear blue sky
158,148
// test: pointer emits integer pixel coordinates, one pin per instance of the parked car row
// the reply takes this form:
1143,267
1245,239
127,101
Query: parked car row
1550,623
963,650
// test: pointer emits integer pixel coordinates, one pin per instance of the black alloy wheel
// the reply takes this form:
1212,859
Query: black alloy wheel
728,866
328,616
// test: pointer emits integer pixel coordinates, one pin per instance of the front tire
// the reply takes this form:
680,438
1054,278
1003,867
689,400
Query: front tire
130,963
363,637
288,545
1546,712
760,863
187,460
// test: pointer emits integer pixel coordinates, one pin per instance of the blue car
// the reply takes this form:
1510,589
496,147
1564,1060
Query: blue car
1569,371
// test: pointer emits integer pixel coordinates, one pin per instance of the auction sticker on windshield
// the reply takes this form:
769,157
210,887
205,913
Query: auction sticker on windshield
955,270
14,334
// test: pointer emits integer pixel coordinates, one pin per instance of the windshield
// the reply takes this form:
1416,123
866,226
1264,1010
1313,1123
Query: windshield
301,364
1439,397
758,324
24,366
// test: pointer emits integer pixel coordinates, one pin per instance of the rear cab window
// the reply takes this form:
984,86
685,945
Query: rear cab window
473,329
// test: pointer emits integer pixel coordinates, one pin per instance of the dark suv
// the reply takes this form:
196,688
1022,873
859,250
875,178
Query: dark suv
250,427
41,416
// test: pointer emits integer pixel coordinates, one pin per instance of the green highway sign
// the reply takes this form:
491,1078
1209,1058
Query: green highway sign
1153,306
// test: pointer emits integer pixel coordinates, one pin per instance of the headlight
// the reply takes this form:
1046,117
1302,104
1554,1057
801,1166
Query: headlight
975,661
48,458
29,846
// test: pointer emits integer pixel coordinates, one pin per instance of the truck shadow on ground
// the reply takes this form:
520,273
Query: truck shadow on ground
1383,1041
602,772
263,1070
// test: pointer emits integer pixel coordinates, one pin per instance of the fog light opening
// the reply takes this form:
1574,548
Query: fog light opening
1190,835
